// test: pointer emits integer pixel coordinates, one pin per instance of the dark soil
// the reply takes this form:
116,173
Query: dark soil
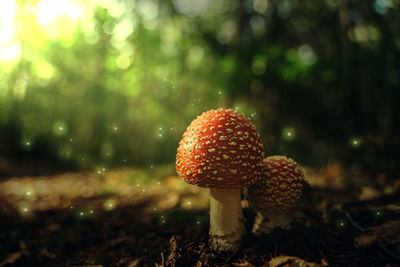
134,233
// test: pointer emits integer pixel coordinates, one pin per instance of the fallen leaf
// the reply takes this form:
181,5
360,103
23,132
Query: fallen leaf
50,229
365,240
329,177
368,193
173,182
291,261
11,258
170,201
134,262
388,233
244,264
46,253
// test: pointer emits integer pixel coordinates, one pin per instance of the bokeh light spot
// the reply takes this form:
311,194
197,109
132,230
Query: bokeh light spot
109,204
44,69
123,62
288,133
191,8
355,142
307,55
260,6
59,127
258,66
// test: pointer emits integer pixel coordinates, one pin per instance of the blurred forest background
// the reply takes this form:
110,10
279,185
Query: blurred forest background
100,84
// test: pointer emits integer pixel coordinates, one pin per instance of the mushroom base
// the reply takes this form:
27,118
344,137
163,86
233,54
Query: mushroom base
264,223
226,219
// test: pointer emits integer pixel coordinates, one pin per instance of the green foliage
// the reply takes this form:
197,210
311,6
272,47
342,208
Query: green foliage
117,82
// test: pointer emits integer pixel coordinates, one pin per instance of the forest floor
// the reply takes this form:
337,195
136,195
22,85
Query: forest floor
124,218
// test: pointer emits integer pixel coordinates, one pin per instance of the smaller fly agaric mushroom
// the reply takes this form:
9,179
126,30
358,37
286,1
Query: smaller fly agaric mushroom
221,150
276,194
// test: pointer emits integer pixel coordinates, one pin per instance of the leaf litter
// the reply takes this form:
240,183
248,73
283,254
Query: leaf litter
114,219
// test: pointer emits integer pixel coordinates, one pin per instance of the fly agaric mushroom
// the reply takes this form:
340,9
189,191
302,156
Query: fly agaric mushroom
276,194
221,150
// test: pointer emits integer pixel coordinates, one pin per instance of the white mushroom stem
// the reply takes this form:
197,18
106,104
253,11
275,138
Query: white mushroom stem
265,222
226,219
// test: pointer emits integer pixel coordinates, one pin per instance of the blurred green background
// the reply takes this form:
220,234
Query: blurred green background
90,84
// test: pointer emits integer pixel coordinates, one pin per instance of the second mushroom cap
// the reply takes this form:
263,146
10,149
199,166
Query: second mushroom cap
281,186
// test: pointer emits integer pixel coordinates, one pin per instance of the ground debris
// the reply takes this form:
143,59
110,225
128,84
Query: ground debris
388,233
290,261
134,263
78,219
15,256
242,264
45,253
170,201
11,258
384,235
128,262
175,255
118,241
365,240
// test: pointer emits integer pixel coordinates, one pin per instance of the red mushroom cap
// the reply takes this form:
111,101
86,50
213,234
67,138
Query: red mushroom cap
220,149
281,185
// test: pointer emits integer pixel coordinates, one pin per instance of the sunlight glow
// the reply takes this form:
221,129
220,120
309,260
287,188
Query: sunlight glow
47,11
10,52
7,13
9,48
6,32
